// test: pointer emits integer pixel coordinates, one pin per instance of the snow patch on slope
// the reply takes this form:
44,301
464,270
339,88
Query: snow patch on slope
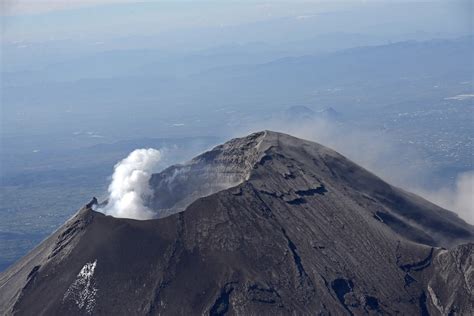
83,290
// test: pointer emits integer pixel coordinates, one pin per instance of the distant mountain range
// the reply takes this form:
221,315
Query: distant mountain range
301,113
264,224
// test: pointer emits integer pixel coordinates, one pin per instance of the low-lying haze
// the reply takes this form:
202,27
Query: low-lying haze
84,83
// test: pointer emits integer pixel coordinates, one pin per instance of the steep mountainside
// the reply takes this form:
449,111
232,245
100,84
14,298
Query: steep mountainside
271,224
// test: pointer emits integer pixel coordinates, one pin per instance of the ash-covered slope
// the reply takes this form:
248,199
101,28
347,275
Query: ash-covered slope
288,227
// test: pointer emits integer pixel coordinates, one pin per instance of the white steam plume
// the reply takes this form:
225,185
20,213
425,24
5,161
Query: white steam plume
130,188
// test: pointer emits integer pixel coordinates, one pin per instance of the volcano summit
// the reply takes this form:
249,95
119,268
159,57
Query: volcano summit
265,224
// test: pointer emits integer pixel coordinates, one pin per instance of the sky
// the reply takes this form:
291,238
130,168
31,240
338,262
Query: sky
22,7
104,17
30,20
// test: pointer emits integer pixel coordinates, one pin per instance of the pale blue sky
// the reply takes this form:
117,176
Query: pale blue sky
29,20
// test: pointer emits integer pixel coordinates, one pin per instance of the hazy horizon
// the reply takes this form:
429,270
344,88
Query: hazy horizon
84,83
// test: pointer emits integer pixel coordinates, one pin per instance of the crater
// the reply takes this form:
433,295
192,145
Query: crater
221,168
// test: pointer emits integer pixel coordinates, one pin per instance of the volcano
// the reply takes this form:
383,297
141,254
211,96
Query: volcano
264,224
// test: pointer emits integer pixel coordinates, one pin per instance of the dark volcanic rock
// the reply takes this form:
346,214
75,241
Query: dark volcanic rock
302,231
